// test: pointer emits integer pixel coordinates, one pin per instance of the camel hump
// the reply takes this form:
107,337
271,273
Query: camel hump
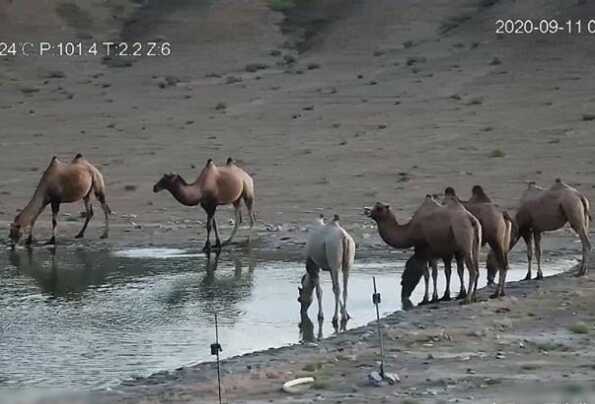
479,195
209,162
450,191
78,156
230,161
336,218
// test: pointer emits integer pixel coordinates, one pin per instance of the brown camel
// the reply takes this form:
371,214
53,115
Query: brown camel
215,186
332,249
496,230
62,183
550,209
446,231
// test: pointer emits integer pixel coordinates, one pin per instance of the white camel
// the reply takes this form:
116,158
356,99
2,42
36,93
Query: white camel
332,249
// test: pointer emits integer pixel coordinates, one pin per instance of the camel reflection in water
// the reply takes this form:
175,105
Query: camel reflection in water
68,274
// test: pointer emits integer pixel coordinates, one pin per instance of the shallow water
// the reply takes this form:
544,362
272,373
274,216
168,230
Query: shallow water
80,319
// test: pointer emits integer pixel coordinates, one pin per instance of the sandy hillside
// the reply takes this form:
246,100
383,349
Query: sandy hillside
386,101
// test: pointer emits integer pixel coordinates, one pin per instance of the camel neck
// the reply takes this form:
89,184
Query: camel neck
393,233
31,212
186,194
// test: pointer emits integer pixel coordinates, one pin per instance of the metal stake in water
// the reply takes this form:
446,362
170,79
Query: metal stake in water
215,349
376,300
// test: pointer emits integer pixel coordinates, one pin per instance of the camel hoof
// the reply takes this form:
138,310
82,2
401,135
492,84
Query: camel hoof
51,241
580,273
80,235
527,278
539,277
461,295
423,302
494,295
445,298
103,236
206,248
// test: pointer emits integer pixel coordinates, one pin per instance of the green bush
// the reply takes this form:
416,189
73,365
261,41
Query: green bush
282,5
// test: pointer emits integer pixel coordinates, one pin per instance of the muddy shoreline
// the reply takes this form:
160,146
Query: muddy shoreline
414,341
418,342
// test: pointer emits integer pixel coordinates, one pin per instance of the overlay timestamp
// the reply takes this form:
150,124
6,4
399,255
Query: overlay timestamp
544,26
134,49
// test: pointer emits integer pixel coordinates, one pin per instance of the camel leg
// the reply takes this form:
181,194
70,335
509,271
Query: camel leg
88,216
249,201
448,273
210,214
217,240
319,298
106,213
237,221
337,293
345,314
461,273
472,277
55,210
434,264
426,298
582,230
529,242
502,271
586,251
537,240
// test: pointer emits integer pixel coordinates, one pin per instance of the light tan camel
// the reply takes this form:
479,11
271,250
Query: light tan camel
550,209
446,231
496,230
332,249
215,186
62,183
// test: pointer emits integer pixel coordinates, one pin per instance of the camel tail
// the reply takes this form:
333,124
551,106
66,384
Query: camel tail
588,216
511,230
348,253
476,242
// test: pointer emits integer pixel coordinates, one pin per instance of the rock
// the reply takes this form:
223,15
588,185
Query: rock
275,52
29,90
588,117
232,79
220,106
495,61
313,66
130,188
55,74
254,67
415,59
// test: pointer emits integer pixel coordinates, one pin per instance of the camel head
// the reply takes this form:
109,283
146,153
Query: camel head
165,182
379,212
305,293
450,191
414,269
16,230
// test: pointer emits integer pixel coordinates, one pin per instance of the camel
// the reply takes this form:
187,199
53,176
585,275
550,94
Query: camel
550,209
445,231
214,186
62,183
332,249
496,231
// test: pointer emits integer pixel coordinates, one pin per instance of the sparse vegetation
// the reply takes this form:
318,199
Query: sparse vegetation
579,328
496,153
281,5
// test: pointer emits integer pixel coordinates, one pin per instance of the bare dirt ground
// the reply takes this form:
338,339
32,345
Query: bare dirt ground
386,101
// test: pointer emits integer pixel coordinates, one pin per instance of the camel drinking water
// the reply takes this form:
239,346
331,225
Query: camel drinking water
62,183
332,249
446,231
214,186
550,209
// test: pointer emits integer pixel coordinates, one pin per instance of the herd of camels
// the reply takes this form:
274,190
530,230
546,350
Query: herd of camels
443,227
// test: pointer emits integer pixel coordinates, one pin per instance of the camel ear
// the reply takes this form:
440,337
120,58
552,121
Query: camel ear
300,289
